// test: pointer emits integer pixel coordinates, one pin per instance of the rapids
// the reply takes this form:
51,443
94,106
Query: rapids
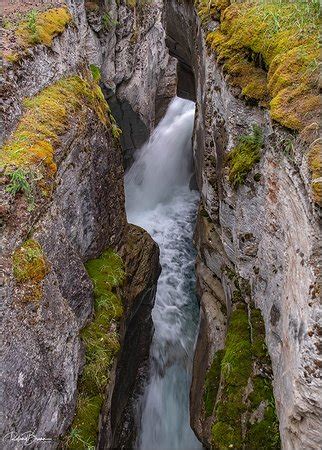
158,199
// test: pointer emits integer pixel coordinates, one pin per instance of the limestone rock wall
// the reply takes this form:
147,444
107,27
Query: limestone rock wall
266,231
84,215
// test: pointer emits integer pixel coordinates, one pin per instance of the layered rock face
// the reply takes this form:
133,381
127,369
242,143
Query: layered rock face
260,240
73,218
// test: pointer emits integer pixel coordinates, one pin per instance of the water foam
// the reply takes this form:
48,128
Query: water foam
158,199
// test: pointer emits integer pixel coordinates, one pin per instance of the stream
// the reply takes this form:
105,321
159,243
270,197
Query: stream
159,200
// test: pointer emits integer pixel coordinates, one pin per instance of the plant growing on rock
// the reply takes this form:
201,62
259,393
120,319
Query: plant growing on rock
244,156
19,183
271,51
102,344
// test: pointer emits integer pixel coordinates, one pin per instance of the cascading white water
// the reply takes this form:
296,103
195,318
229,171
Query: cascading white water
158,199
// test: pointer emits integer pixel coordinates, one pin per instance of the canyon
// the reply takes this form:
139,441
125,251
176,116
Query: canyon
120,65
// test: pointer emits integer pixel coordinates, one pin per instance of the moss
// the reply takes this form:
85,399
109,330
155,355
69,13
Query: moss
259,348
96,72
244,156
263,433
235,363
244,346
47,116
29,269
271,49
29,263
212,383
85,426
210,10
101,346
315,164
224,436
42,27
236,369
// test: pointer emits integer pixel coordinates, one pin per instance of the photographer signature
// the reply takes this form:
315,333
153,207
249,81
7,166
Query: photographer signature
27,438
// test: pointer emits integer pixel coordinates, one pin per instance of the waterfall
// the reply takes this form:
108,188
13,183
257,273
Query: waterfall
158,199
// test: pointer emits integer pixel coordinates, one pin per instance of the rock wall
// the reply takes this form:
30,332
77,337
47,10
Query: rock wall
266,232
82,215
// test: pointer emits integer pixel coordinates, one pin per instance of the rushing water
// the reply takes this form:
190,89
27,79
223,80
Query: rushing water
158,199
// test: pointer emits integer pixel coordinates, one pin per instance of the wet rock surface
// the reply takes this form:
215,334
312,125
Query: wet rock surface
141,256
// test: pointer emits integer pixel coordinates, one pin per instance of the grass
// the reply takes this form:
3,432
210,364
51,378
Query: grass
19,182
42,27
271,50
242,158
46,117
101,346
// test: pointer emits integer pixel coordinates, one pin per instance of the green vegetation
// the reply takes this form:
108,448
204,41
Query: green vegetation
29,263
212,383
271,50
244,156
42,27
29,269
96,73
46,117
236,368
108,22
232,403
102,344
315,163
19,183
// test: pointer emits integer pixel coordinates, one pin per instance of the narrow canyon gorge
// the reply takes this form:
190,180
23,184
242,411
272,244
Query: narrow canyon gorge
161,199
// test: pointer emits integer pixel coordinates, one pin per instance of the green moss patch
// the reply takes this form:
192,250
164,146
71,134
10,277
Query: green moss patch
234,406
242,158
101,346
38,27
29,263
45,118
29,269
236,367
315,164
212,383
270,50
